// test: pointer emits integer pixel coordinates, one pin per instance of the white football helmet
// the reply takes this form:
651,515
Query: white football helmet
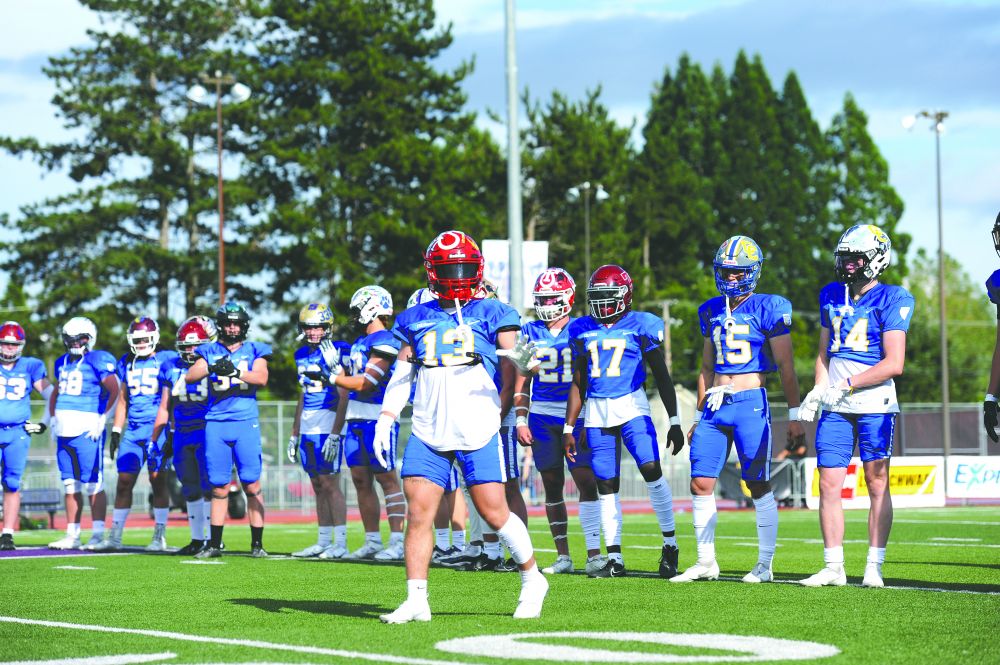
419,297
370,302
864,244
554,294
79,335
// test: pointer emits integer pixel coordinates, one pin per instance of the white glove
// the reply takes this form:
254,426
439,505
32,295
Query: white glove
383,439
331,447
833,395
715,396
522,354
331,356
293,448
97,431
810,405
180,386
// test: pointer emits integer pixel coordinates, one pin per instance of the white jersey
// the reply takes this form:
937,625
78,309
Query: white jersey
456,408
871,399
612,411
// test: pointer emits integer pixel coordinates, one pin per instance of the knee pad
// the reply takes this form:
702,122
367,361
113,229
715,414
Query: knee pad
73,486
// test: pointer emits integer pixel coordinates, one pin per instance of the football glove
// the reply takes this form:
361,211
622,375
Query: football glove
293,448
331,448
150,449
35,428
331,357
675,438
167,451
224,367
180,386
522,354
990,419
810,406
382,442
832,396
97,431
715,396
116,438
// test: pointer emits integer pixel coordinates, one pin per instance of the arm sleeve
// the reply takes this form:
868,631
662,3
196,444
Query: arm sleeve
397,391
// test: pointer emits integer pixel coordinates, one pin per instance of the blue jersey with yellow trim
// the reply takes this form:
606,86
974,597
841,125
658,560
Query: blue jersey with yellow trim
80,381
555,373
232,399
742,346
140,377
16,385
434,333
614,354
856,328
993,288
317,395
191,406
380,342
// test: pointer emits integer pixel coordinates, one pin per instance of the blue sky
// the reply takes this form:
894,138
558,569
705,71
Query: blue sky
895,56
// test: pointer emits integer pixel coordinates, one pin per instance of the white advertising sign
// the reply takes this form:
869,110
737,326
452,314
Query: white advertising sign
534,259
974,477
914,482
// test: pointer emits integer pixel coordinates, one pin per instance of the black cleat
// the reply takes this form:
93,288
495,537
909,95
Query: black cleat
7,542
508,566
612,569
191,548
209,552
258,552
668,561
485,564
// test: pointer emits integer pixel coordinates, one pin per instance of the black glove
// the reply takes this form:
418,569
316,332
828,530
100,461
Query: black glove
168,445
224,367
796,447
675,438
116,438
35,428
990,419
316,375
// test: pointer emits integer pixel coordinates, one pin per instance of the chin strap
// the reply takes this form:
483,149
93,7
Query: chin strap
847,309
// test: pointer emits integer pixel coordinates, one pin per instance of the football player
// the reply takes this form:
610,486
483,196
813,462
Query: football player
363,388
746,338
450,348
540,425
138,372
182,409
312,441
990,403
609,348
19,375
236,369
862,347
84,396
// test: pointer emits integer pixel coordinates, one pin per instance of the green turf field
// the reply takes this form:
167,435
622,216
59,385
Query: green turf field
943,567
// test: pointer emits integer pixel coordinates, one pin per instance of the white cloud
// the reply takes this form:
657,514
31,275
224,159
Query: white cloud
43,27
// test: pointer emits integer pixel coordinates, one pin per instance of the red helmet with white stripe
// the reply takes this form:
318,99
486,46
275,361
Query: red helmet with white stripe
554,294
11,335
454,266
193,333
609,293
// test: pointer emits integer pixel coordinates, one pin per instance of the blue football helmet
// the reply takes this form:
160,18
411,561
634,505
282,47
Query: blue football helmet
742,255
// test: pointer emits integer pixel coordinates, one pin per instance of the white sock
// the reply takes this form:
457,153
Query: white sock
704,516
118,517
325,536
876,555
395,537
416,590
492,549
98,528
476,522
8,532
196,518
441,538
340,535
206,519
530,574
458,539
373,537
160,515
611,519
515,536
663,504
834,556
73,530
767,528
590,522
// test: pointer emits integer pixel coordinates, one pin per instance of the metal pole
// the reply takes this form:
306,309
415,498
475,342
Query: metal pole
945,393
514,226
222,243
586,229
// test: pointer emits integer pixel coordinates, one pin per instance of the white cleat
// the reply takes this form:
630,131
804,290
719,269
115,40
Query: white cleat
159,541
562,564
529,603
873,576
596,563
392,553
94,542
333,552
407,612
832,575
760,573
699,571
366,551
109,544
309,552
66,543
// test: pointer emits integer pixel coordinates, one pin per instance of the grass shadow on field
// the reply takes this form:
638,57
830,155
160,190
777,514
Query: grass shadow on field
960,564
331,607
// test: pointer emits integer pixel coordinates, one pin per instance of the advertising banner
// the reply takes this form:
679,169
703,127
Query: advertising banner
974,477
914,482
534,259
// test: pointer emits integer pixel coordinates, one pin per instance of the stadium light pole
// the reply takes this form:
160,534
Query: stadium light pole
574,194
237,93
937,126
515,230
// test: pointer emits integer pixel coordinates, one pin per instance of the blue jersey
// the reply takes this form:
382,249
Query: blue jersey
16,385
856,328
555,374
141,377
433,333
232,399
742,347
382,343
317,395
189,408
80,381
613,355
993,288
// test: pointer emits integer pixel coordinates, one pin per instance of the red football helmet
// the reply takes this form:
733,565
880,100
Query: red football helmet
143,335
454,266
609,293
554,294
193,333
11,334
